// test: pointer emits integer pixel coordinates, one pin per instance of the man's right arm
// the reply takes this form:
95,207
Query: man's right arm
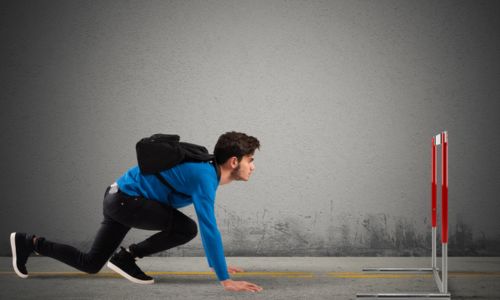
212,243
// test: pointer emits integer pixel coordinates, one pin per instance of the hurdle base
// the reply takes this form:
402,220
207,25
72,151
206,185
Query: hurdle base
439,282
402,296
434,271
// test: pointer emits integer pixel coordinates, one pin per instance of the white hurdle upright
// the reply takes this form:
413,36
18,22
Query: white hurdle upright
442,282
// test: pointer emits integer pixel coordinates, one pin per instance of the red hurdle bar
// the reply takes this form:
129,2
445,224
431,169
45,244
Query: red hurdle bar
444,209
444,187
440,139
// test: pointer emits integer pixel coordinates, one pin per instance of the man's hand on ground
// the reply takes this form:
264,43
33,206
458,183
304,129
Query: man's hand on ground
240,286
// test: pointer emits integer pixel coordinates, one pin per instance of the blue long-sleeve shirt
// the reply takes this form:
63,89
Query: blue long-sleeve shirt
199,180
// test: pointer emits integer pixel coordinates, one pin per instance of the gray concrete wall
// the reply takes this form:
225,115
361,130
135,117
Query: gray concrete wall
344,96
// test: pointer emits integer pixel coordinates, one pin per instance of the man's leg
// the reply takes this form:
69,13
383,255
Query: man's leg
108,238
182,230
136,212
176,229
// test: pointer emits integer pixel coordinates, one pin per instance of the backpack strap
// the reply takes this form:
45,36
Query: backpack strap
165,182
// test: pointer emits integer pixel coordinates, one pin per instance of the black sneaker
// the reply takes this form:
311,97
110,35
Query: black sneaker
123,263
22,246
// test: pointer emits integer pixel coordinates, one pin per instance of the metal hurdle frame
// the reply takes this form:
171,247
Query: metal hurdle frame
442,282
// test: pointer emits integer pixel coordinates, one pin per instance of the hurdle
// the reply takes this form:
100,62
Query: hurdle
442,282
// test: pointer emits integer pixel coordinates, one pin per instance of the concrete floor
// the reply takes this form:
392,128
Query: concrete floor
281,278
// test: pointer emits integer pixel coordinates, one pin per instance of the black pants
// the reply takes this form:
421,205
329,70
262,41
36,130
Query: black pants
122,212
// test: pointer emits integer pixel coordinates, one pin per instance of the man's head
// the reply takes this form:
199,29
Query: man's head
234,151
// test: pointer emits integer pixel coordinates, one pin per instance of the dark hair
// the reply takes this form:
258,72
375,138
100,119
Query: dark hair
234,144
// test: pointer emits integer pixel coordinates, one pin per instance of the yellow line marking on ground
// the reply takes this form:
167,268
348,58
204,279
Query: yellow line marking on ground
211,274
351,275
258,274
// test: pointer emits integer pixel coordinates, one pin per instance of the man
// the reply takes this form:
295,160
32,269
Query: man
143,201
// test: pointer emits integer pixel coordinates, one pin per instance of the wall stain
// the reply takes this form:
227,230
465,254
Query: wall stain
353,235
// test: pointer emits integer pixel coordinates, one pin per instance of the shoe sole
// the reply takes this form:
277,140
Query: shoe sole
14,256
124,274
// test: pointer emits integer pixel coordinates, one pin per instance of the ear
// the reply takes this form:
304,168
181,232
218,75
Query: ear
233,162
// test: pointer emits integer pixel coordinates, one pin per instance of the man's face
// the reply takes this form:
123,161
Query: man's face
244,169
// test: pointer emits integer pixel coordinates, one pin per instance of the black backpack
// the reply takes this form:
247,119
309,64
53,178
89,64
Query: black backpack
161,152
